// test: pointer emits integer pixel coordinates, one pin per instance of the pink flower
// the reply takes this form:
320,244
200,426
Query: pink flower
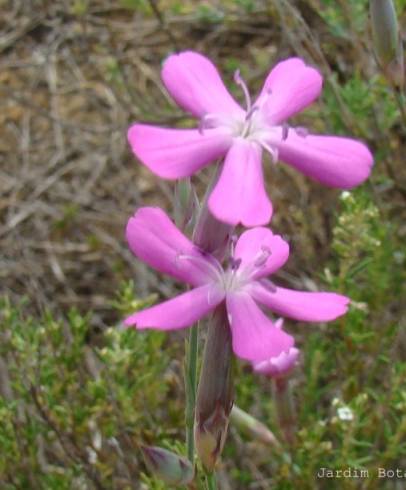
241,135
154,239
278,366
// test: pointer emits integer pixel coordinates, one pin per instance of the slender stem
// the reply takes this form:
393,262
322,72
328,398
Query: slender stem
285,408
211,481
191,382
205,239
401,104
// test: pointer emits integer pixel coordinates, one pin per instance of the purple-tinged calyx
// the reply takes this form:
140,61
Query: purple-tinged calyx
215,392
168,466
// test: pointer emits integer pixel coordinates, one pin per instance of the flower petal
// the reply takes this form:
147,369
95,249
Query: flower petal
279,365
177,153
179,312
332,160
239,195
255,336
290,87
260,243
195,84
155,240
301,305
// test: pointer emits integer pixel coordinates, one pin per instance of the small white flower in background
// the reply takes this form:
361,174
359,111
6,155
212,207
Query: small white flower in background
91,455
345,195
399,256
345,413
96,435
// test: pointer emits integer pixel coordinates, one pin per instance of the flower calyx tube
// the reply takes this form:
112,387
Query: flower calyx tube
215,392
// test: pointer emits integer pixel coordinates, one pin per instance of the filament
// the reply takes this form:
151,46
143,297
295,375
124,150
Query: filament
302,132
285,132
239,81
263,256
206,264
271,150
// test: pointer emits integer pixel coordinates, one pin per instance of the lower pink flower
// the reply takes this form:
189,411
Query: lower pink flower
242,285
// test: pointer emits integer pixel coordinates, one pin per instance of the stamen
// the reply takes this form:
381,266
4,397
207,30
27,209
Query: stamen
271,150
207,121
235,263
250,270
206,264
268,285
233,241
239,81
302,132
201,125
263,256
285,131
251,112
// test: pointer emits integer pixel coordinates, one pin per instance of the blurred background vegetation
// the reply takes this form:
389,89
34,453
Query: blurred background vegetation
77,394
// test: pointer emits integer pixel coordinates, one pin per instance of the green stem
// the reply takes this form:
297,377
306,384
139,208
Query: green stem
191,382
211,481
285,408
401,104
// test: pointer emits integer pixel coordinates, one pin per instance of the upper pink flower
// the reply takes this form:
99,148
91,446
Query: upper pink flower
154,239
241,135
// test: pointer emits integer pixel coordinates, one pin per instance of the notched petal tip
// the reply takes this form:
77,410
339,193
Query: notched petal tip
179,55
255,337
302,305
194,83
342,302
154,238
290,87
252,246
240,196
278,366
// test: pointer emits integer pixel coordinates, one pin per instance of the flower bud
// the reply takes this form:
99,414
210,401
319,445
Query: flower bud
256,429
168,466
215,392
387,40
